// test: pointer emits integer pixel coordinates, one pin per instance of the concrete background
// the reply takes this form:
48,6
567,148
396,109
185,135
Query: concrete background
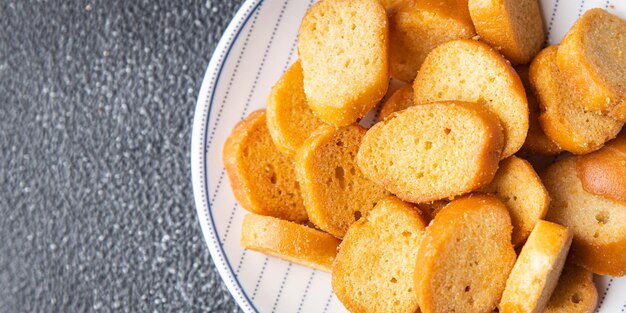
96,109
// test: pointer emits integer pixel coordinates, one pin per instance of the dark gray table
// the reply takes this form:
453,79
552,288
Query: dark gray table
96,108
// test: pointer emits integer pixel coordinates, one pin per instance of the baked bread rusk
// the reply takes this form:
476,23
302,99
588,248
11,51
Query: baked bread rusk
598,223
399,100
342,45
575,292
418,26
563,118
263,179
603,172
289,118
433,151
519,187
537,269
465,256
373,271
592,59
289,241
335,191
468,70
536,140
513,27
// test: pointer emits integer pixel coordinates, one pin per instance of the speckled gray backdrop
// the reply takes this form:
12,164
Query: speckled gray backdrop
96,108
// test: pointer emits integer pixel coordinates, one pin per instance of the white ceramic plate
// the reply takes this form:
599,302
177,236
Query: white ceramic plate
257,47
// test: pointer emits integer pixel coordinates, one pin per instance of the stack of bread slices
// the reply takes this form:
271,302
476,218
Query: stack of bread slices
436,208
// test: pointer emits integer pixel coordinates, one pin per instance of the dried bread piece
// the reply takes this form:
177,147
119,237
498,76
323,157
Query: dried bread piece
433,151
289,241
399,100
465,256
592,58
513,27
468,70
335,191
263,179
373,271
563,118
518,186
598,223
342,46
575,292
537,270
603,172
289,118
417,27
536,140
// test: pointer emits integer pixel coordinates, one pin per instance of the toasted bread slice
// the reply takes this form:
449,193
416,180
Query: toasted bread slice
289,118
342,46
433,151
592,59
537,269
598,223
417,27
373,271
400,100
563,118
518,186
603,172
513,27
575,292
263,179
465,256
289,241
335,191
536,140
468,70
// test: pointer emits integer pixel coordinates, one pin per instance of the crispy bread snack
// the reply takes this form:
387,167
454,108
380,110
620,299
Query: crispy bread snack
468,70
465,257
433,151
373,269
342,46
263,179
289,241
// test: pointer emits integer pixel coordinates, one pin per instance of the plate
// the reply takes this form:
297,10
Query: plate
257,47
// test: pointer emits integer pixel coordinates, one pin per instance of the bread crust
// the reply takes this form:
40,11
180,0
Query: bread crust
562,117
441,79
598,222
289,241
513,27
537,270
603,172
409,177
289,118
376,258
344,76
458,269
248,186
588,80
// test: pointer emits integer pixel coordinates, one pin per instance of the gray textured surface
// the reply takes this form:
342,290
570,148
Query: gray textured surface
96,108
